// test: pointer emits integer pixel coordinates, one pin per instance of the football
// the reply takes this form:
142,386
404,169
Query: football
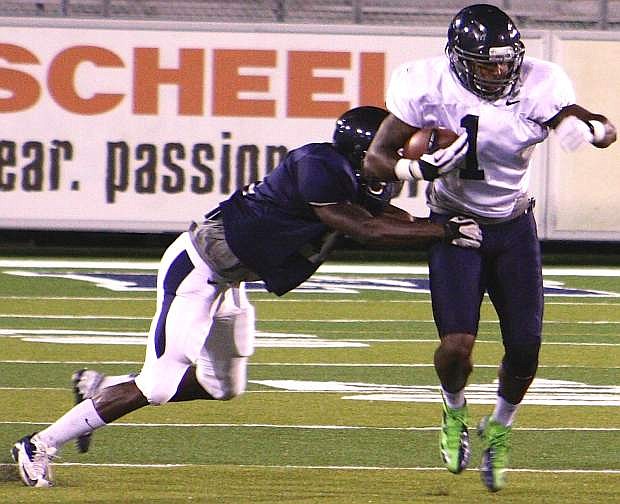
428,140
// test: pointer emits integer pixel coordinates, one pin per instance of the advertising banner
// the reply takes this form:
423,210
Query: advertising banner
143,127
144,130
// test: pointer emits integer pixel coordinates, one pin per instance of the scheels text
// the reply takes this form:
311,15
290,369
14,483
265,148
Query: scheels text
239,82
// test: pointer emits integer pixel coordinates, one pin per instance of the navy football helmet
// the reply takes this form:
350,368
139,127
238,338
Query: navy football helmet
485,51
354,131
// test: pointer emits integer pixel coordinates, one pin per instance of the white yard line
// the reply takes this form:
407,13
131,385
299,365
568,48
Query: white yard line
72,317
315,299
139,338
78,298
313,427
347,268
321,467
79,264
287,320
288,364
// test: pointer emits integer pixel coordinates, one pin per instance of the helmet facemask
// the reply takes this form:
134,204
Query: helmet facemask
490,76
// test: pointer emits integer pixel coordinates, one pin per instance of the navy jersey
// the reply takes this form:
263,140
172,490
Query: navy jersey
271,226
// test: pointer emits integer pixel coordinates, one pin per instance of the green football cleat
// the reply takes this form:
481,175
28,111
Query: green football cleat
496,448
454,439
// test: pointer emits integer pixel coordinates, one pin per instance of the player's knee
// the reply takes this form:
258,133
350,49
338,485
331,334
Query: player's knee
231,390
158,396
223,383
521,361
457,345
156,393
224,390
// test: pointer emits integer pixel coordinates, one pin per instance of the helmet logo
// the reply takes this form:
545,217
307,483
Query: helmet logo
501,54
377,188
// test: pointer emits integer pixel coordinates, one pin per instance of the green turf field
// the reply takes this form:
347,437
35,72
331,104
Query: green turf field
342,404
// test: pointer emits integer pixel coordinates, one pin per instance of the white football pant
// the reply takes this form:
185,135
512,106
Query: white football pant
197,322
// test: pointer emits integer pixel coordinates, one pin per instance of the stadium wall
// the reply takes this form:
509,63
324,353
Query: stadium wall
130,126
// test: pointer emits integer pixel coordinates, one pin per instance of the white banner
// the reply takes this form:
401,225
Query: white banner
582,202
142,130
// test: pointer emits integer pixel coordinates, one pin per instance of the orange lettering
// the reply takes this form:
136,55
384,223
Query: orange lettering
303,83
228,83
61,80
23,87
189,78
372,79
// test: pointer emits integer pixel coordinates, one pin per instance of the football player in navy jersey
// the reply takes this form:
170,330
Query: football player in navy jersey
502,104
279,230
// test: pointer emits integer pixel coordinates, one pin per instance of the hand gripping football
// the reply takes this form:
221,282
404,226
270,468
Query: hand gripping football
427,141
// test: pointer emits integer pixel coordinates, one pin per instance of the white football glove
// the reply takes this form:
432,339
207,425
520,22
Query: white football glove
573,133
437,164
463,232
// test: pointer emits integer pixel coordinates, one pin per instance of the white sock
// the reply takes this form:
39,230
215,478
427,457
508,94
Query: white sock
79,420
504,412
454,400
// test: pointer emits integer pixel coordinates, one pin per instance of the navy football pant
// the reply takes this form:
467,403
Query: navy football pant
508,267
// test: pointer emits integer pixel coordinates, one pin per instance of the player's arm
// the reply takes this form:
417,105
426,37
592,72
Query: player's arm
356,222
575,125
382,155
395,212
383,161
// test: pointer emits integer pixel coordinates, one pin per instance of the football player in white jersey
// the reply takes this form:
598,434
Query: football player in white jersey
502,104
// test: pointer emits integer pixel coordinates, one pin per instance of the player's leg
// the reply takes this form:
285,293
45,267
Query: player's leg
222,364
86,384
453,363
178,331
456,291
517,294
516,290
34,453
94,393
189,389
187,301
221,369
206,318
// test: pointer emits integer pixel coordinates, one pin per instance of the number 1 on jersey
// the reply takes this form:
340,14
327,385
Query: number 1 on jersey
471,170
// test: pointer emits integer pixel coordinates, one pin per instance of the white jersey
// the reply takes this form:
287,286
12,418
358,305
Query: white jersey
502,134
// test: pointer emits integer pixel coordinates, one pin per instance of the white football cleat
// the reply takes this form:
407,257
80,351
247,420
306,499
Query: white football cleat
33,461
